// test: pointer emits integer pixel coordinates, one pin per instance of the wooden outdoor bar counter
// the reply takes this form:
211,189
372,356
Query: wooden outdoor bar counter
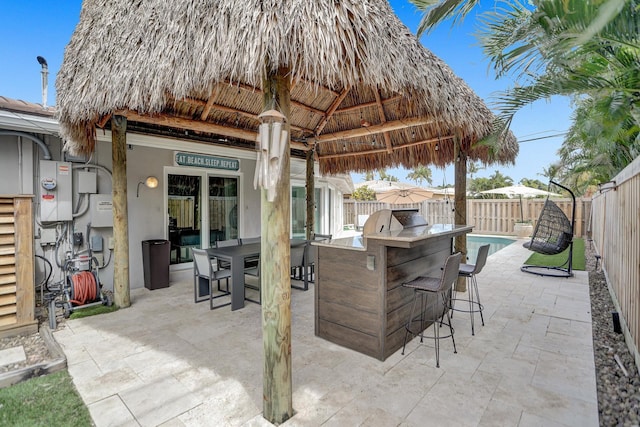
359,299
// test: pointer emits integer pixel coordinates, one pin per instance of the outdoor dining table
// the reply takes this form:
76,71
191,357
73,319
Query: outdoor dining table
236,256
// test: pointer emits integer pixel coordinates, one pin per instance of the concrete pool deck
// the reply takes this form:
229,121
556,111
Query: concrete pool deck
167,361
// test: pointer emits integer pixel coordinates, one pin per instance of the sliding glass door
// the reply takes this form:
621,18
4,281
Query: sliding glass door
185,215
223,208
191,222
299,211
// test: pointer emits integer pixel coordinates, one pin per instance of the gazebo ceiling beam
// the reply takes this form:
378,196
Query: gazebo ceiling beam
239,112
312,83
383,150
103,121
166,120
374,129
366,104
334,106
210,102
383,119
293,103
214,106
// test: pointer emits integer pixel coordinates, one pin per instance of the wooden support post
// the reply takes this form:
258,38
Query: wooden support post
121,292
461,207
311,194
275,278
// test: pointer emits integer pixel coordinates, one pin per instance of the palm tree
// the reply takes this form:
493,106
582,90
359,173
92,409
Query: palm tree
386,177
534,183
494,181
565,47
419,174
473,168
552,171
547,49
500,180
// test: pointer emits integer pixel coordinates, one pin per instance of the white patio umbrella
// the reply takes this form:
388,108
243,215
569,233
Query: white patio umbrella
404,195
520,191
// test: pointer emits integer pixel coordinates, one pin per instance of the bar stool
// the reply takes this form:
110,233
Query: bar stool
469,271
441,288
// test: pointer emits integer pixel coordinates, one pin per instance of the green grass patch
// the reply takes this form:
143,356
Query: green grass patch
92,311
559,259
49,400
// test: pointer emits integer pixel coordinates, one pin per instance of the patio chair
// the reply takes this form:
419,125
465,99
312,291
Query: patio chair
552,235
222,264
296,263
441,288
203,276
250,262
254,272
469,271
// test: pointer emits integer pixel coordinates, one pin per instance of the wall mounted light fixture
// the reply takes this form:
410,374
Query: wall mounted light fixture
151,182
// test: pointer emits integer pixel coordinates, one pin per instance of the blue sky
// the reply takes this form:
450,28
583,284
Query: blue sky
29,28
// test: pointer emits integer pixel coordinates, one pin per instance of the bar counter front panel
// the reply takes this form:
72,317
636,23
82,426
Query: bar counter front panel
366,310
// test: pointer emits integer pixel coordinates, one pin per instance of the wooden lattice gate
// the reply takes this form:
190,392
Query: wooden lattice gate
17,290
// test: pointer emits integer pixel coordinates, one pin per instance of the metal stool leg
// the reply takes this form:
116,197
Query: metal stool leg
455,350
436,339
471,309
446,305
408,325
480,307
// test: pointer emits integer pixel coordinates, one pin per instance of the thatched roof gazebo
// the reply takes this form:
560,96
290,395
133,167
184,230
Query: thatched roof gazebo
357,89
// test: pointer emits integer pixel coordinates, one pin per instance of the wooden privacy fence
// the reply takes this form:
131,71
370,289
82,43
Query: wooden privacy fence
488,216
615,229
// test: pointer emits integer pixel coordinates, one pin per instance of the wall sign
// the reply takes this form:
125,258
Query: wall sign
205,161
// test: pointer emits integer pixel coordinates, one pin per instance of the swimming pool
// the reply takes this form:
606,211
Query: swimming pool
495,244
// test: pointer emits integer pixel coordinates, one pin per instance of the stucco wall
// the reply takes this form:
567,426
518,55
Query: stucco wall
20,174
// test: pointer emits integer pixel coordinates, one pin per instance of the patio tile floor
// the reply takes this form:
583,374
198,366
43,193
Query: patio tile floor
167,361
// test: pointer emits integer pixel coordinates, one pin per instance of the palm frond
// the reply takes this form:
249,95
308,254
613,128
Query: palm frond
438,11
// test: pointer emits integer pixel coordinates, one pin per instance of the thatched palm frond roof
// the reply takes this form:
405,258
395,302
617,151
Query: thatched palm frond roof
365,94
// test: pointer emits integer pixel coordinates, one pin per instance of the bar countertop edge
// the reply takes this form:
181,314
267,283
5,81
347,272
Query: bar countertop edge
405,238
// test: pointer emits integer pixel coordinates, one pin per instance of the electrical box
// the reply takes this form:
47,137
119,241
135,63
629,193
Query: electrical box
96,243
78,240
55,191
47,236
87,182
101,206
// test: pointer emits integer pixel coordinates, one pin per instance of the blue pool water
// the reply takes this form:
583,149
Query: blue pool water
495,244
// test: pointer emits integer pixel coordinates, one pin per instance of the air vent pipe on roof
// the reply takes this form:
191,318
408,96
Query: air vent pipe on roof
45,79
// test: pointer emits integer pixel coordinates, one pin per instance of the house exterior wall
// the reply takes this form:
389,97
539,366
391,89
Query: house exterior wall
147,214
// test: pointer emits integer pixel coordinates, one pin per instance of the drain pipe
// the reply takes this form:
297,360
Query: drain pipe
45,79
38,141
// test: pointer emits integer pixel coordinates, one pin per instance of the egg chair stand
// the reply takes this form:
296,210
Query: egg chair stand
553,235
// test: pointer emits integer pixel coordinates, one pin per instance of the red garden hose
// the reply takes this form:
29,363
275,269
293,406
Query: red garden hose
84,287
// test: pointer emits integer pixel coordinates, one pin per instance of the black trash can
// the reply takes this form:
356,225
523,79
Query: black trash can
155,263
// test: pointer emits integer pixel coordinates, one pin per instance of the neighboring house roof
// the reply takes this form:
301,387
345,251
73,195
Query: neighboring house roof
380,186
448,191
23,116
20,106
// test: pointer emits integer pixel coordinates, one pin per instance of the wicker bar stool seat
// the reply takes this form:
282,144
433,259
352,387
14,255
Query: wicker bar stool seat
441,288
